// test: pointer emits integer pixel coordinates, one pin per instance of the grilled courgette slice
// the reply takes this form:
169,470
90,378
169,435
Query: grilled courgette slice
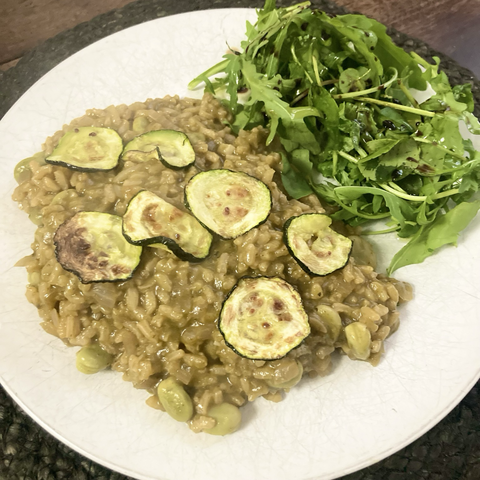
171,147
263,318
228,203
88,149
91,245
317,248
150,220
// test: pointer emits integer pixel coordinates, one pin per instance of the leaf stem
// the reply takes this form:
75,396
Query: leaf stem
334,162
405,196
294,55
348,157
329,82
381,232
315,69
219,67
385,85
355,212
447,193
396,106
408,94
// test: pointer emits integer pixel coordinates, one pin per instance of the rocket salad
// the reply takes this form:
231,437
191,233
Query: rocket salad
337,92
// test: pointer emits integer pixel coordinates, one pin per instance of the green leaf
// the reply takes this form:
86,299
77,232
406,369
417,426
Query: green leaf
294,182
352,79
472,123
400,210
444,231
392,56
262,90
329,135
389,156
446,133
463,94
345,26
300,158
269,5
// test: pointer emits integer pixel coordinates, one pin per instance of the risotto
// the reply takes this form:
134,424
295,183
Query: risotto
160,326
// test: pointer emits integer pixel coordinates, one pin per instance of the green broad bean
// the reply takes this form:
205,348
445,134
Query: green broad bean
36,216
22,171
140,124
359,340
331,320
290,383
228,418
92,359
175,400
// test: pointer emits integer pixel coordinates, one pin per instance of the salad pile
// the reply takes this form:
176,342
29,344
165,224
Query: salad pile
342,99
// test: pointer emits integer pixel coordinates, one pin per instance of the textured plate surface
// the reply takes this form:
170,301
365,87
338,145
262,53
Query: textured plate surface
325,427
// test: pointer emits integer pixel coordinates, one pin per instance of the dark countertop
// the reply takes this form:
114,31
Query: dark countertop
449,451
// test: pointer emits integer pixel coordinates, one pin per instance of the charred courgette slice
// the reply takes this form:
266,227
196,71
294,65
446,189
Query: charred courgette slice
317,248
150,220
173,148
91,245
228,203
263,318
88,149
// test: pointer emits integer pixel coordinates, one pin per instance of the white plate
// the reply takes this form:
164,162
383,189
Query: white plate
326,427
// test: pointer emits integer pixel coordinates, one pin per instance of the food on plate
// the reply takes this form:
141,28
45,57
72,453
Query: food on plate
159,328
92,358
228,203
339,95
173,148
175,400
227,418
263,318
92,246
318,249
88,149
150,220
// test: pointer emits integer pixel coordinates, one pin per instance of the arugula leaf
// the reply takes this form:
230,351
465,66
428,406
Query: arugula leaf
263,90
335,91
472,123
429,238
293,181
395,57
400,210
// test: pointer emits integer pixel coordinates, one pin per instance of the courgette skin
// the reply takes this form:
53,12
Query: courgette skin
172,147
206,197
151,221
265,327
88,149
327,258
91,246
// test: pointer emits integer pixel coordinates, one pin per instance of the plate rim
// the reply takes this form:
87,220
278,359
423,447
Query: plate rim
114,467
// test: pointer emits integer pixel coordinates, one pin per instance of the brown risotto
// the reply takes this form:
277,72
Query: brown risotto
163,321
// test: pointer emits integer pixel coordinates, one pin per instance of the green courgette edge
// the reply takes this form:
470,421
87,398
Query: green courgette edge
159,154
219,323
168,242
187,205
304,267
83,169
80,169
171,244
